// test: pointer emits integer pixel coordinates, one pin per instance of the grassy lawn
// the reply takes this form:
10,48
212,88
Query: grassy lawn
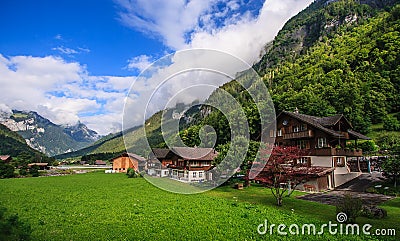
98,206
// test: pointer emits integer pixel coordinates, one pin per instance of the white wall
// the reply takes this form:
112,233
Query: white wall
321,161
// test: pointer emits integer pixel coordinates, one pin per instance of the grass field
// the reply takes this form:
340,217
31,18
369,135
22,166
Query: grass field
98,206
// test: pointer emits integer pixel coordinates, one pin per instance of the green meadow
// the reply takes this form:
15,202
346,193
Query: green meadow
98,206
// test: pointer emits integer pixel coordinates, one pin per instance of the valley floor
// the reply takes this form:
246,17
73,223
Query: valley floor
98,206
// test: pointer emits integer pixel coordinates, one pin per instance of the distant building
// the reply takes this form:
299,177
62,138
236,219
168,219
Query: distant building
100,163
6,158
124,161
41,165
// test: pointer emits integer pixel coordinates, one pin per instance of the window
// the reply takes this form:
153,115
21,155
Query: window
200,174
303,127
302,144
271,133
339,161
296,128
194,174
303,160
279,132
322,142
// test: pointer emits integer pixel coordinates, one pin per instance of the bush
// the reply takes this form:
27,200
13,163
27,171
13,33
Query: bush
131,173
34,171
23,171
373,212
12,228
391,124
6,170
351,206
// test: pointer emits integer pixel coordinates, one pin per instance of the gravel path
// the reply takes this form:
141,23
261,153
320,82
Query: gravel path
355,187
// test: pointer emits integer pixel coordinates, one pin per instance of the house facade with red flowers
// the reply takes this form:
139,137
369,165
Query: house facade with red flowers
328,160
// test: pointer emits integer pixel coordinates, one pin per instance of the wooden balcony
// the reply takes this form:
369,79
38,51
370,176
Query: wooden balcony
298,135
330,151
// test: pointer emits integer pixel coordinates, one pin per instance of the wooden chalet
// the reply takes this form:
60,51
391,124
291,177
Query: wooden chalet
124,161
184,163
324,139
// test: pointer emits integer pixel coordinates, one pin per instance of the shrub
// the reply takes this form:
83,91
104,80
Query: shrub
391,124
351,206
6,170
131,173
12,228
373,212
23,171
34,171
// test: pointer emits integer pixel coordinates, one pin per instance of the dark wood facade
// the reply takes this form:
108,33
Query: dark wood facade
322,136
185,158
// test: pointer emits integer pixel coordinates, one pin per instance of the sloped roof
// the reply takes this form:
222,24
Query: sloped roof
195,153
330,120
38,164
314,170
323,123
314,121
358,135
188,153
5,157
160,152
135,156
100,162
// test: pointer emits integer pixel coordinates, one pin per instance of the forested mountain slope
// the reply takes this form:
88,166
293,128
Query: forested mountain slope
333,57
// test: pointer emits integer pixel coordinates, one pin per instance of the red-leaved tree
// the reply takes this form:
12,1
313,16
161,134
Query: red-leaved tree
281,171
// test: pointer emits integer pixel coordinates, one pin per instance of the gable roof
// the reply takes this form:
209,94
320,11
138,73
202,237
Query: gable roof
100,162
135,156
195,153
160,152
358,135
188,153
5,157
313,121
323,123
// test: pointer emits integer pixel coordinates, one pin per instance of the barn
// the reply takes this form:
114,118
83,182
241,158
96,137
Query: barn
127,160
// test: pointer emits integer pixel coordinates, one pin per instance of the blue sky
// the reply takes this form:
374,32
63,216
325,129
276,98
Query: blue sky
76,60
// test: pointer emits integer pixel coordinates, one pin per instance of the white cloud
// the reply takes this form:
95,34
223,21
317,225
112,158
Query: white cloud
140,62
201,24
69,51
169,19
65,92
65,50
246,37
62,91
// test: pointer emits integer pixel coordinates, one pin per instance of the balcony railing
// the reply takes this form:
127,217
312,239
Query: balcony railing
330,151
300,134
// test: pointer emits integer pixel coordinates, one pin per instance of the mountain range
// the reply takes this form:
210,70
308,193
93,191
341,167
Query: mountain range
43,135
